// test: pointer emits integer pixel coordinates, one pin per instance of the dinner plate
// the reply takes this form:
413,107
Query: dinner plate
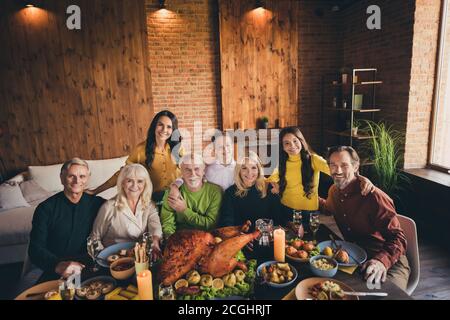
302,290
357,255
39,288
103,279
114,249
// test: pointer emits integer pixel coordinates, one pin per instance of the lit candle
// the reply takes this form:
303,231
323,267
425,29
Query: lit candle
279,243
145,287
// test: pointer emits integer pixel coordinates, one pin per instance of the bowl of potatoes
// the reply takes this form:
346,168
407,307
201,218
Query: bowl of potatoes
277,274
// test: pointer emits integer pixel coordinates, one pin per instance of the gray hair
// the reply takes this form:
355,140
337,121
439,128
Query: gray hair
192,158
66,166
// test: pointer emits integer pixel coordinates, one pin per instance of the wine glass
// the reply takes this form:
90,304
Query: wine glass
166,292
314,223
66,289
94,247
265,226
297,221
147,238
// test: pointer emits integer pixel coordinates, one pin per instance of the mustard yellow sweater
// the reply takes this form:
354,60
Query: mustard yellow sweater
294,194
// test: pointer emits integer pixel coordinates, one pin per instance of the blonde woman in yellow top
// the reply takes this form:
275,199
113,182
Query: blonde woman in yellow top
297,175
155,154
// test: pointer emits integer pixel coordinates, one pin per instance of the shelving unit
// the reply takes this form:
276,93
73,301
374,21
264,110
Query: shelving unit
344,108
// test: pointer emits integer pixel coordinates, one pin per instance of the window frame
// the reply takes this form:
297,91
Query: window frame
437,82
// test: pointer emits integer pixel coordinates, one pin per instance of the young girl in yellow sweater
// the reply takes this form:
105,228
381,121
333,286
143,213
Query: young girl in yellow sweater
297,176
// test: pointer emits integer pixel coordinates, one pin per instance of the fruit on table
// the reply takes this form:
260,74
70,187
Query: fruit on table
308,246
240,275
218,284
297,244
206,280
181,283
290,250
52,295
193,277
328,251
229,280
302,254
342,256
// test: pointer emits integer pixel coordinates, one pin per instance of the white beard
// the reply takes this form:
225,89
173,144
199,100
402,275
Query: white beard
195,183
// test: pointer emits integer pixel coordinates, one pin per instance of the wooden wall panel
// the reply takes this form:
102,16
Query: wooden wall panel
66,93
259,58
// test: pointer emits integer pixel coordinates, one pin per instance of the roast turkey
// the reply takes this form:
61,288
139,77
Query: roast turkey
195,249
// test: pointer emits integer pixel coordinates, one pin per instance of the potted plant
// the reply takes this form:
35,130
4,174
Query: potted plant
384,150
265,122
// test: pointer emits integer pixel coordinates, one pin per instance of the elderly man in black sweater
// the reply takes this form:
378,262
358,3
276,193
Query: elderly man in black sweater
62,223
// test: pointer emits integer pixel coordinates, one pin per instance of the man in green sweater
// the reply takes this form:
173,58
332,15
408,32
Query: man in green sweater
199,202
62,223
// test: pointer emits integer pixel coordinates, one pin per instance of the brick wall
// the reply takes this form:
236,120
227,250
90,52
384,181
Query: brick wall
183,42
185,63
404,51
319,53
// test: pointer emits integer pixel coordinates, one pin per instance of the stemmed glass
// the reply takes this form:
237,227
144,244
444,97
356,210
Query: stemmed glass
94,247
148,239
297,221
166,292
314,223
265,226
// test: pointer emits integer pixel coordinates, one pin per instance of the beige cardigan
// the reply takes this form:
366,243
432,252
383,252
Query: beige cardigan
114,225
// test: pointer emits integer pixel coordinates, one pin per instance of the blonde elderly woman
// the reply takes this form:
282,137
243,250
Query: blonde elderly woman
248,198
131,213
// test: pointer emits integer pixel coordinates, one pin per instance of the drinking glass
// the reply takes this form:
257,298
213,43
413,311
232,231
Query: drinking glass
297,221
94,247
265,226
147,238
166,292
314,223
66,290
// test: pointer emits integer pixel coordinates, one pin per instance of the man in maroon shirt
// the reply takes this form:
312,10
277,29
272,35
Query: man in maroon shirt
369,221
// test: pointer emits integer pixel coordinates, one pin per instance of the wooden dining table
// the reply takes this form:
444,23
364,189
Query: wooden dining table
265,292
354,280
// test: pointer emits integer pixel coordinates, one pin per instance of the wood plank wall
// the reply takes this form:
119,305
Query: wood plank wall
66,93
259,58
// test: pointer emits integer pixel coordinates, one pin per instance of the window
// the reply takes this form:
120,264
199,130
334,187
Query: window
440,138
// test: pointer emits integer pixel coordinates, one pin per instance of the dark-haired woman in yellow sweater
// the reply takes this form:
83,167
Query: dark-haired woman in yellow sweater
298,175
156,155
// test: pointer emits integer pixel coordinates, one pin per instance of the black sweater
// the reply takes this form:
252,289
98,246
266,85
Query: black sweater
60,229
236,210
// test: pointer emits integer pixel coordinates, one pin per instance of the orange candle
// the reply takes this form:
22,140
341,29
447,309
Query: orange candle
279,244
145,287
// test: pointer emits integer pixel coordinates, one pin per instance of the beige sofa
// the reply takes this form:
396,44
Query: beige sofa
20,195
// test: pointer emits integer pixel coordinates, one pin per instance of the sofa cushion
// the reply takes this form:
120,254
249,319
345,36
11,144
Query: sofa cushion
15,226
47,177
32,191
102,170
11,197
